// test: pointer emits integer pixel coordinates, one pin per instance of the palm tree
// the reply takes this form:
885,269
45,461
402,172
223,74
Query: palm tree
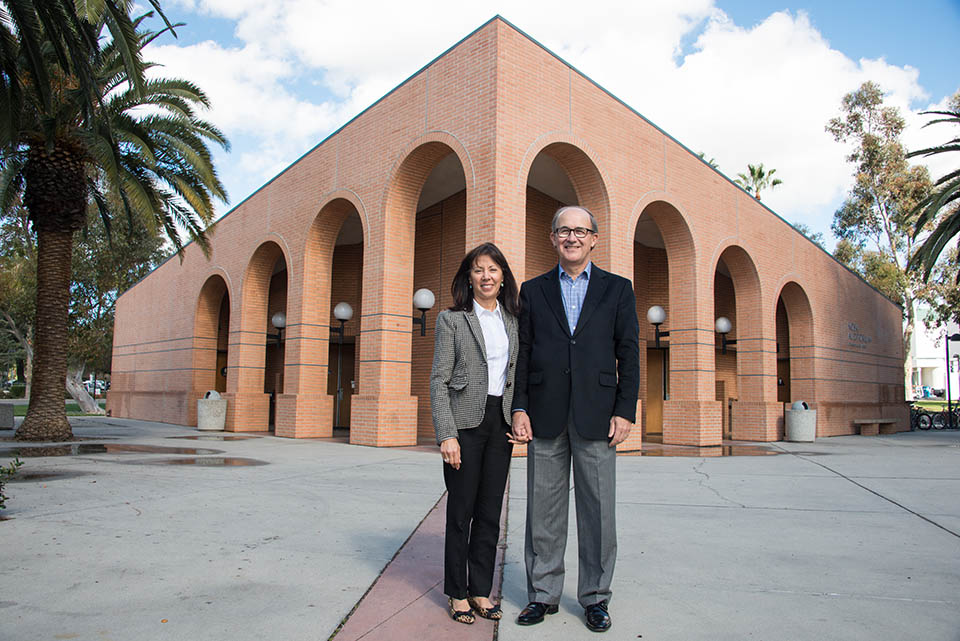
945,197
139,150
756,179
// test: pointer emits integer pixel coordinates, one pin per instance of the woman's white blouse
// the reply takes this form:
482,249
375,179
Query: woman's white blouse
498,347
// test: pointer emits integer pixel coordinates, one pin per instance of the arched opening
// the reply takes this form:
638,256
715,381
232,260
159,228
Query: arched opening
651,278
211,338
795,362
274,348
256,371
739,347
346,286
439,247
725,360
411,247
323,376
663,276
561,174
223,344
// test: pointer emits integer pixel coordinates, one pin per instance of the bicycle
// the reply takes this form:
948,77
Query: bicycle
920,418
941,419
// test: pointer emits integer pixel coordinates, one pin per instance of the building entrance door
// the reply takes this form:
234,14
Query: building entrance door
347,378
657,360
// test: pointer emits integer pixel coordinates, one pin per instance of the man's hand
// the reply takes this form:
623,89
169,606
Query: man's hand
520,429
619,430
450,451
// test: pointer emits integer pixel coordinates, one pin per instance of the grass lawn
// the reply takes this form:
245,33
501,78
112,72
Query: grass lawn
932,405
72,409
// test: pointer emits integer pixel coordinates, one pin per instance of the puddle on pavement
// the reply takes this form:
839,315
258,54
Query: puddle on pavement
705,452
213,437
207,461
27,477
82,449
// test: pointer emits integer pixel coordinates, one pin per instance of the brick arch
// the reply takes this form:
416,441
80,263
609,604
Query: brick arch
755,413
748,300
318,254
305,409
385,412
687,383
582,165
800,321
674,227
247,403
398,222
256,284
414,164
206,337
590,188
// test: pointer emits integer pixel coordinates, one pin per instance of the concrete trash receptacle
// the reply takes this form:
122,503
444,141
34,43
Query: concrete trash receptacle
801,423
6,416
211,412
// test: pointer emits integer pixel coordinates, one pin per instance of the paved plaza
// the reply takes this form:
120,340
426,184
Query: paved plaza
115,536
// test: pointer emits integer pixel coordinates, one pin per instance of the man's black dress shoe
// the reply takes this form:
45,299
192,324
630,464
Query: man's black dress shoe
598,619
534,612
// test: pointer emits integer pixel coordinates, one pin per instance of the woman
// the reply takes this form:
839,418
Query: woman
471,390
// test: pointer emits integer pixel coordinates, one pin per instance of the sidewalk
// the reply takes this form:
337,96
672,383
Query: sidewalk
847,538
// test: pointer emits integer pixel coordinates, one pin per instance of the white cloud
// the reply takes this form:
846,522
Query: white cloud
741,95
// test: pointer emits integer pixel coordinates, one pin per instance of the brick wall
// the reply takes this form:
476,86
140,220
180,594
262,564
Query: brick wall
498,101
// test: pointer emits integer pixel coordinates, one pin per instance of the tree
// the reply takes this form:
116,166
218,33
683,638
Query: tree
944,198
712,161
941,291
136,150
104,266
806,231
757,179
18,288
879,208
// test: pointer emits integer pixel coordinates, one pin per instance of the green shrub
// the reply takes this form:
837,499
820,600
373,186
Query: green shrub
17,390
7,473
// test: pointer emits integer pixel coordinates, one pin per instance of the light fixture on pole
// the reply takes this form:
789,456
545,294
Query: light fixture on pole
723,327
278,320
656,317
342,312
946,346
423,300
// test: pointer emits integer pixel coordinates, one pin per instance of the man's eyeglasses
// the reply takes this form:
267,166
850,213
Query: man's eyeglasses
579,232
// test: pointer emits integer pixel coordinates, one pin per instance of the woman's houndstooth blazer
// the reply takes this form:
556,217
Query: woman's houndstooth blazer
458,380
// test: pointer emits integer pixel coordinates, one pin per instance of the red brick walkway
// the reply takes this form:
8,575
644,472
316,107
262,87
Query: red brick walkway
407,600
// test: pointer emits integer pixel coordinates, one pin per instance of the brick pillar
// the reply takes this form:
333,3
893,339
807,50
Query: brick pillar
248,407
384,412
305,410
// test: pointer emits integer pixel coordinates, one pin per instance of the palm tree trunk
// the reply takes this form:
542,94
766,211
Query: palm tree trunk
46,418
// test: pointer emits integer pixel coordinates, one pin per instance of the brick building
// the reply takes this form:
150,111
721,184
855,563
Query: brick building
484,143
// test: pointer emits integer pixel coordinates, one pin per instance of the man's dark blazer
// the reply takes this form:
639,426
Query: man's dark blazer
595,373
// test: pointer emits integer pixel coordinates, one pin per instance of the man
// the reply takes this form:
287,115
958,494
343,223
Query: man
577,378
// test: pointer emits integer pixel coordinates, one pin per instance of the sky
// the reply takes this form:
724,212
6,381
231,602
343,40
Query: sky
743,81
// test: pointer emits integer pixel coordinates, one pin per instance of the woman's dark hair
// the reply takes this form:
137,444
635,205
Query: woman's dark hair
460,288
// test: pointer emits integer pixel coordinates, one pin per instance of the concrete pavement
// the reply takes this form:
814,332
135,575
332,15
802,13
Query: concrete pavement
846,538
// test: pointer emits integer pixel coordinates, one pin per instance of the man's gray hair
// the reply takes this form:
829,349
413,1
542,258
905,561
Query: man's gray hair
593,219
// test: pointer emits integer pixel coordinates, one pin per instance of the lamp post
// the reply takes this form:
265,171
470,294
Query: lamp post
423,300
656,316
946,347
278,320
342,312
723,327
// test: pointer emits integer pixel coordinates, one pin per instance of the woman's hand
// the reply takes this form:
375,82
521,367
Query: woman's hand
450,451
